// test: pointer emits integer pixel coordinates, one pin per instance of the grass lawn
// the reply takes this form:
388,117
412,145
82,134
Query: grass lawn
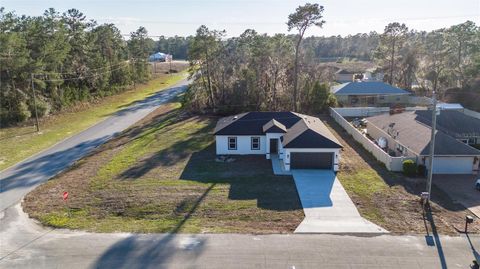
161,176
391,199
18,143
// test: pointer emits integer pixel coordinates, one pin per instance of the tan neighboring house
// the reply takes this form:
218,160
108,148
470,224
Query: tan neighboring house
408,134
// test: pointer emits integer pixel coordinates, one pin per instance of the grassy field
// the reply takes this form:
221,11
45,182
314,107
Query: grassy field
391,199
18,143
161,176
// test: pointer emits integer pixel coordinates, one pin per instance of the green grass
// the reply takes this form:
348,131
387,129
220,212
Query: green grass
363,182
18,143
163,177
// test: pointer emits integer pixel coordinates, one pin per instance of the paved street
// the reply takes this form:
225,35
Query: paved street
25,245
23,177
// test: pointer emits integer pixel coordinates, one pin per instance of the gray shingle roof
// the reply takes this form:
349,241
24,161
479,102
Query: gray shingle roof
415,135
309,133
251,123
301,131
454,123
368,88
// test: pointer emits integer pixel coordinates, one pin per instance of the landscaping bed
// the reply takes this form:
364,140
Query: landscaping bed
161,176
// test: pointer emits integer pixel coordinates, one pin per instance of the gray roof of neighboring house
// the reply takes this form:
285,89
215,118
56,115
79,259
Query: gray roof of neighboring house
301,131
415,135
452,122
274,126
367,88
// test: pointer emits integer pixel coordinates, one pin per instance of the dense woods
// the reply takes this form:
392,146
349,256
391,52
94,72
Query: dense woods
70,59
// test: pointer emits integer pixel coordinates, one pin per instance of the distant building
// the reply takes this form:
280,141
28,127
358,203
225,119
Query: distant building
343,76
369,93
158,57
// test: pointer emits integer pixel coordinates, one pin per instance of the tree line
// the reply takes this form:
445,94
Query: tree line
285,72
72,59
63,59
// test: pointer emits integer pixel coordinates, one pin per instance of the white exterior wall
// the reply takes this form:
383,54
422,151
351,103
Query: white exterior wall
244,145
288,151
280,148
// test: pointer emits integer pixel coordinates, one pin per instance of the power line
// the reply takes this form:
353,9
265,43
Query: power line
73,73
79,77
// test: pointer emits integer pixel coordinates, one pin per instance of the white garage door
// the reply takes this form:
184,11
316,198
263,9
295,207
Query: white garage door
453,165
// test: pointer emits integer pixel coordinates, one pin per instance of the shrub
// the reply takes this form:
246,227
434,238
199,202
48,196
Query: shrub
43,108
421,170
21,113
409,168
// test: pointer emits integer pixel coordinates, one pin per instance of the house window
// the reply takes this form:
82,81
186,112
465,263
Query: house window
232,143
471,141
464,141
381,97
255,143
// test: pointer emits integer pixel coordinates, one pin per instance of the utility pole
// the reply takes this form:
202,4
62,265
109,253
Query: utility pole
432,146
35,103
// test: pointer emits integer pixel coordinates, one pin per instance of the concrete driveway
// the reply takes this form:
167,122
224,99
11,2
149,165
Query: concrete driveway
461,189
326,205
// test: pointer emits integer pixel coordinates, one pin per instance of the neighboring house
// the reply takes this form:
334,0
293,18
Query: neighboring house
343,76
408,134
458,125
369,93
301,141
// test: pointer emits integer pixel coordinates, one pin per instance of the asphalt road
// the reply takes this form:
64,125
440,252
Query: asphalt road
27,245
23,177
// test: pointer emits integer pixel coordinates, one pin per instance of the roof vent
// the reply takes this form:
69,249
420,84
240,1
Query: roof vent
235,117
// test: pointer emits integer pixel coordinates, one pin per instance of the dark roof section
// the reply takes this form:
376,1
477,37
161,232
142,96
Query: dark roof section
415,135
274,126
251,123
368,88
452,122
309,133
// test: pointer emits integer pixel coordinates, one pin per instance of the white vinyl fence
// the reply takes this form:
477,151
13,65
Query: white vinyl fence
392,163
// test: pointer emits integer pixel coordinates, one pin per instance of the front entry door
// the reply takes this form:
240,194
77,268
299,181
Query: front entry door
273,146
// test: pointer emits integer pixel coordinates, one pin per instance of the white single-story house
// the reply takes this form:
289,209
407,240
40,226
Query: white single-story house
408,134
369,93
300,141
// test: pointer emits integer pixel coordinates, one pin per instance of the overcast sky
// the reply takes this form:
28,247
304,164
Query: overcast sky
343,17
